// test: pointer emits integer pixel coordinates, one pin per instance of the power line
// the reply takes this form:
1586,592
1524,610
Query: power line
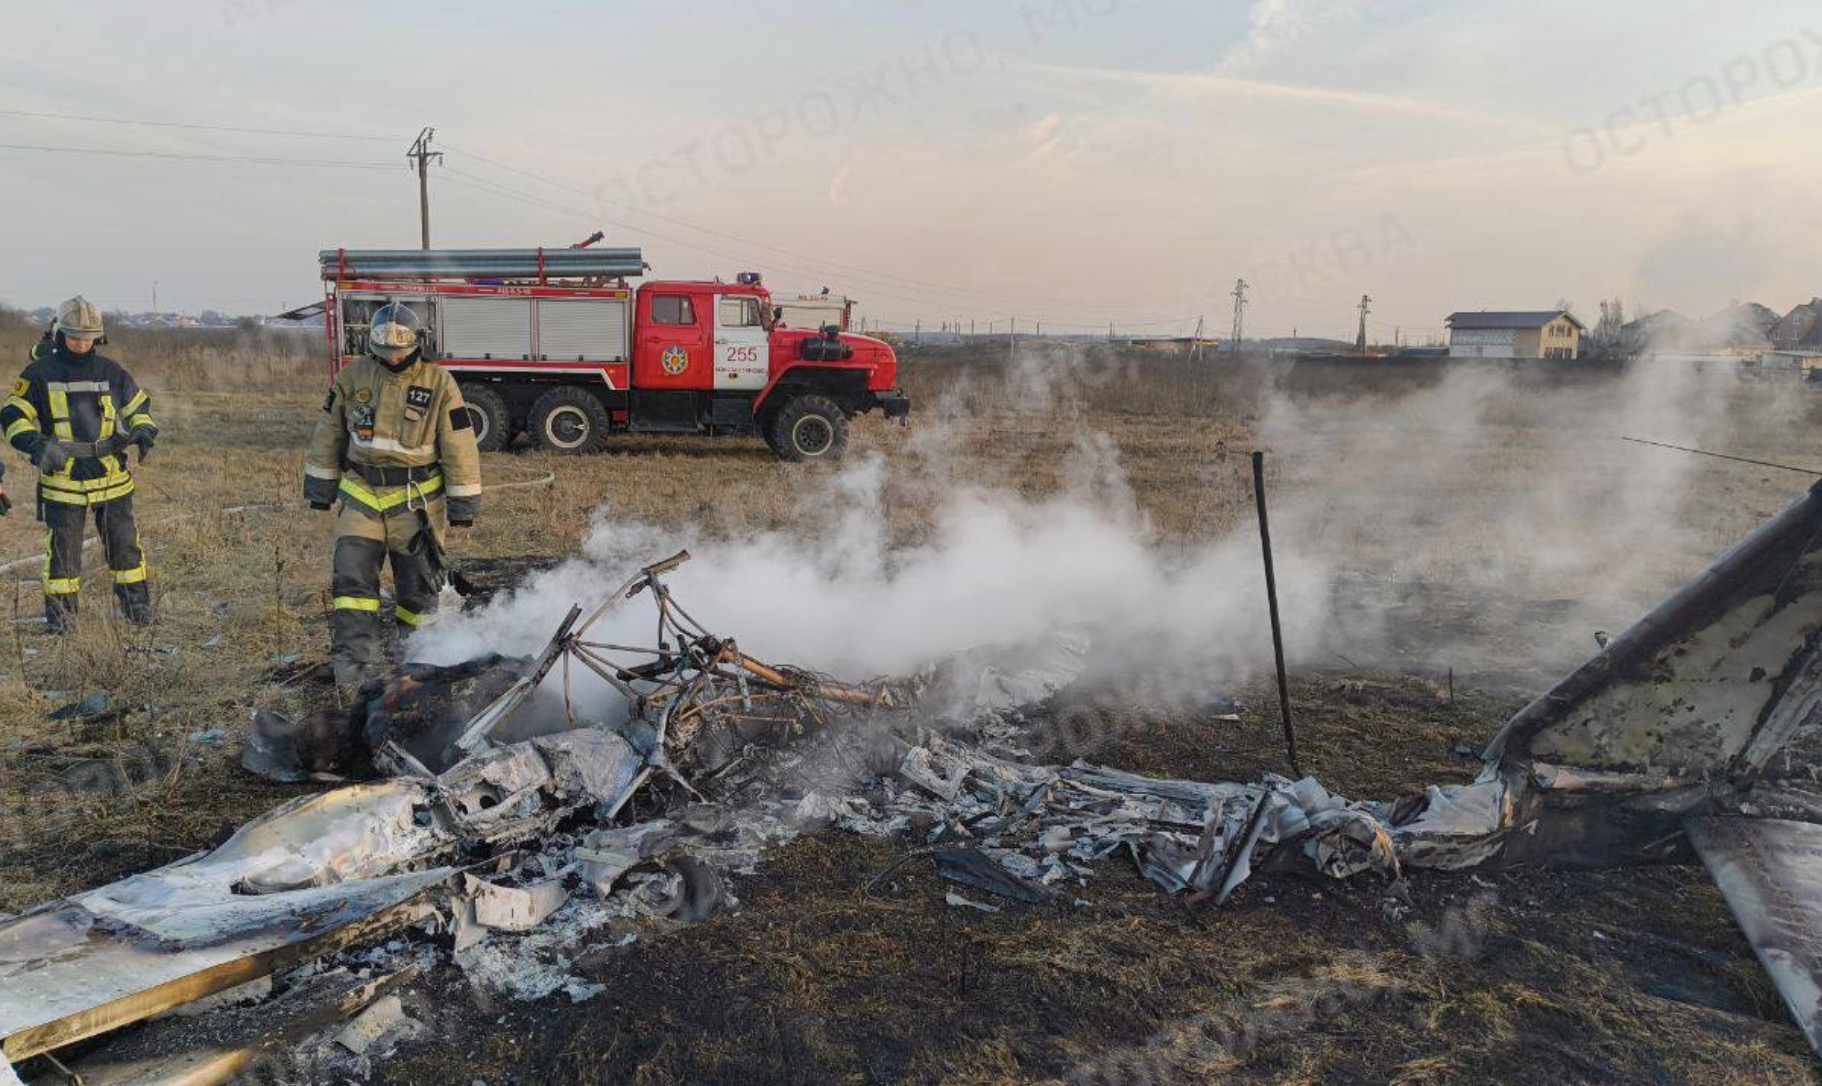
702,229
464,179
764,246
192,126
905,288
254,159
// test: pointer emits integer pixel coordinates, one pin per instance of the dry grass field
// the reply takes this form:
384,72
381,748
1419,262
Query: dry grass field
1476,522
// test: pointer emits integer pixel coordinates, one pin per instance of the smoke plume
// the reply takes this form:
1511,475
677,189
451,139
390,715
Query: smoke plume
1464,516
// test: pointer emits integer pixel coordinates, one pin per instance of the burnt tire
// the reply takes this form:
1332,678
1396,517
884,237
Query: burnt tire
569,420
492,422
808,428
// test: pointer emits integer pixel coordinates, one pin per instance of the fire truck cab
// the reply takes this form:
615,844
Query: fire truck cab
568,353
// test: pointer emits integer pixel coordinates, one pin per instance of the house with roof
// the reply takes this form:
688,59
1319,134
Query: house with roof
1801,329
1553,333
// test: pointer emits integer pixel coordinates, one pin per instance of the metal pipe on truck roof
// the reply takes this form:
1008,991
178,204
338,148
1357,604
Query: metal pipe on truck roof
504,263
477,254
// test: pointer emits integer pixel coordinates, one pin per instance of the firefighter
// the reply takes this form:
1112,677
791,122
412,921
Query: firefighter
76,412
396,444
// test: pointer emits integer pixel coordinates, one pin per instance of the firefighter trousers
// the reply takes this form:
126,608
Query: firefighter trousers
365,541
119,533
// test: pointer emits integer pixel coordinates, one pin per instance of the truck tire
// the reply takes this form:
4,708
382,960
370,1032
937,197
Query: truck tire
569,420
809,428
492,422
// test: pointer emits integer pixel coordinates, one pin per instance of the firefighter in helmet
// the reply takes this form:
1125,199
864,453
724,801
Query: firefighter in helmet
395,444
76,413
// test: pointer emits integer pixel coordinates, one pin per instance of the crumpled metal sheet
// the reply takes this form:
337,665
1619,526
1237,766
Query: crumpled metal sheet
971,868
1716,679
310,867
79,989
593,763
1458,827
1770,872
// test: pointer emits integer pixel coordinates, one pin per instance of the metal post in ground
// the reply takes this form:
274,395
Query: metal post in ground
1271,596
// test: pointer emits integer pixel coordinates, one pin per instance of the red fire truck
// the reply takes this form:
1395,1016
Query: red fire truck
554,343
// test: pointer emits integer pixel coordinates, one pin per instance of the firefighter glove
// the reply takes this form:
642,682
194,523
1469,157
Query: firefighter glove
6,502
51,457
144,436
462,512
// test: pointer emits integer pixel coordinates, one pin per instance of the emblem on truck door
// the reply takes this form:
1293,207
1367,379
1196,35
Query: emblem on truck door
674,360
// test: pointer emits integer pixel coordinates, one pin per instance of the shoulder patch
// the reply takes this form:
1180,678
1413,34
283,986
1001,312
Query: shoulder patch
418,396
22,387
460,419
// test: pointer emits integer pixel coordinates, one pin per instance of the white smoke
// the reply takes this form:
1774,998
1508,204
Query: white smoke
994,568
1492,520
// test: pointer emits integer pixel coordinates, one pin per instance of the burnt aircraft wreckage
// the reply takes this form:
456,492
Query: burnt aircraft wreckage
512,831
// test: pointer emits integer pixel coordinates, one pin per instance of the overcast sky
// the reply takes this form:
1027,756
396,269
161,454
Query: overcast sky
1070,161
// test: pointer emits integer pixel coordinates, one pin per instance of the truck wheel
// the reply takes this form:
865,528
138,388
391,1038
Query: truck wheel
492,423
809,428
569,420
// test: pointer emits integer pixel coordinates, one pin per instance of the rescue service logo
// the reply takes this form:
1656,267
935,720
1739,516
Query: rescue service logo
674,360
20,388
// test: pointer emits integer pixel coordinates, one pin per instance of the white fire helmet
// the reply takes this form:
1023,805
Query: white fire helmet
79,319
394,333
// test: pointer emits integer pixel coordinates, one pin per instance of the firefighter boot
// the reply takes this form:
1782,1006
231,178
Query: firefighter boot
60,612
135,602
119,532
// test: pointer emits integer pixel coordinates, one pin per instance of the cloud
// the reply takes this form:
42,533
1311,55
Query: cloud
1192,87
1277,26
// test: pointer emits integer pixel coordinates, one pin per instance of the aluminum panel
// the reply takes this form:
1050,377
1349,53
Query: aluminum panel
583,330
487,328
1770,872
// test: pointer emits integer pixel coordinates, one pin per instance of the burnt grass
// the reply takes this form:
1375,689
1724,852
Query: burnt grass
1518,976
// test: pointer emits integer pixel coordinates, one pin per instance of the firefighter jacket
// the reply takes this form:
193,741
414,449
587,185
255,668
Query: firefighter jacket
386,439
82,401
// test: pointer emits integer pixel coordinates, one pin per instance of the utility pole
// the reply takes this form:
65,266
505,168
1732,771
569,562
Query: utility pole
1239,296
1012,337
421,151
154,295
1195,345
1366,306
917,332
